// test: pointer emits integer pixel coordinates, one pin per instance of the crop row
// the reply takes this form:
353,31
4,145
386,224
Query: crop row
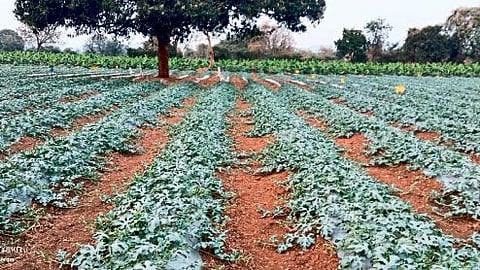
267,65
51,171
392,146
38,123
176,206
21,88
8,71
332,197
56,92
431,107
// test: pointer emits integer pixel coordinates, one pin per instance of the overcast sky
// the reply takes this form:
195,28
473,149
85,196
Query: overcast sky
401,14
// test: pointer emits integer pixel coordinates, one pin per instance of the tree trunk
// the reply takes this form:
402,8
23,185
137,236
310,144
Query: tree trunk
39,43
211,53
163,71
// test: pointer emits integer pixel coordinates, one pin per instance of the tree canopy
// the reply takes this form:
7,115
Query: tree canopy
352,44
10,40
464,23
377,32
102,45
164,19
430,44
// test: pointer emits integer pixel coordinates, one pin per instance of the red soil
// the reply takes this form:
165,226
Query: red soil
368,113
475,158
320,124
414,185
66,228
429,136
433,137
355,147
407,128
79,123
248,231
210,81
265,83
26,143
338,101
416,189
239,83
175,115
424,135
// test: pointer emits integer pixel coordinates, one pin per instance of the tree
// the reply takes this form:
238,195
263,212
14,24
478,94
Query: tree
235,46
326,53
149,48
101,45
202,51
151,45
392,53
165,19
352,45
211,17
11,41
377,32
464,24
41,19
430,44
36,38
273,41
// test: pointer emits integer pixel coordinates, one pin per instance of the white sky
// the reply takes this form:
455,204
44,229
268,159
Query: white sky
339,14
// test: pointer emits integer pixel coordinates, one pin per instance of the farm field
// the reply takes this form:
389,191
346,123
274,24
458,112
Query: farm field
100,169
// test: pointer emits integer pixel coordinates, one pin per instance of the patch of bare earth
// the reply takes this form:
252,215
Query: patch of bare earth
355,147
202,70
78,123
406,128
338,101
368,113
415,188
210,81
424,135
434,137
248,232
428,136
238,82
295,83
26,143
175,115
67,228
475,158
318,123
268,84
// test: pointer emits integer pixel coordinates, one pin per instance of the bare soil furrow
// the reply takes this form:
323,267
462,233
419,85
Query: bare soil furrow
248,231
66,229
413,186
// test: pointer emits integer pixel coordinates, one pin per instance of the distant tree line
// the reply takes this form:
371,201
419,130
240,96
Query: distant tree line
456,40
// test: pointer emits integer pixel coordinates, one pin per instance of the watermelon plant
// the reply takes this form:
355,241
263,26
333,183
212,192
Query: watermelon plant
49,172
332,197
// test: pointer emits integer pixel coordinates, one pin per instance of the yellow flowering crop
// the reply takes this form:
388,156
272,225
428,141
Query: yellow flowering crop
400,89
